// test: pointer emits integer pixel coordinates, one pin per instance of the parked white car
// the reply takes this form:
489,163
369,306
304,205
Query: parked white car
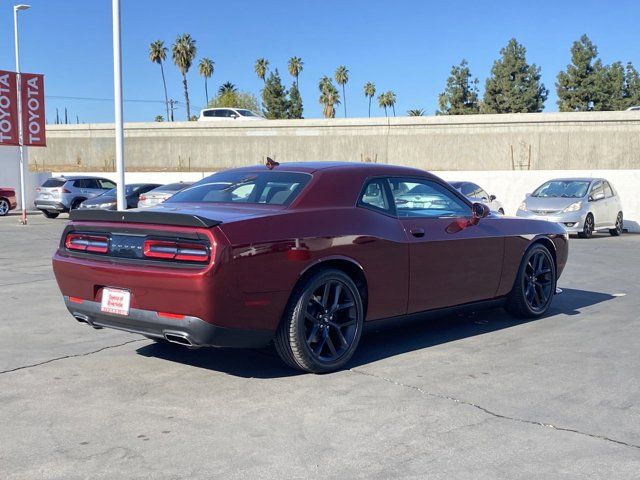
582,205
217,114
475,193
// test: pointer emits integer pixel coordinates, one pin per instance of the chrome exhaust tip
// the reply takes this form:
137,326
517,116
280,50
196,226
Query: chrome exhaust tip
178,338
81,318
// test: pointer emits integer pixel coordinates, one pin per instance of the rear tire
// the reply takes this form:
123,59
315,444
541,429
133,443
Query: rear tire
50,214
588,228
501,211
535,284
322,324
616,232
4,207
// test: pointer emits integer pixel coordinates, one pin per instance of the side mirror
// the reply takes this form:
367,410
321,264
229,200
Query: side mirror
596,197
492,197
234,115
479,210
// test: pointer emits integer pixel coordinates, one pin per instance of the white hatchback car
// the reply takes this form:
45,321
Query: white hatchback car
582,205
217,114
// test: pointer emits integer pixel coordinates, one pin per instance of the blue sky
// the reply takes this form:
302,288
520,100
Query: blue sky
406,46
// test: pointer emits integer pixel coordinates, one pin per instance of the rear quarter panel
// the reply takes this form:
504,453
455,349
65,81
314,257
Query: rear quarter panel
270,254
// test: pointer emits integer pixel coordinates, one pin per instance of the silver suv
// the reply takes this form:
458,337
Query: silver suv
61,194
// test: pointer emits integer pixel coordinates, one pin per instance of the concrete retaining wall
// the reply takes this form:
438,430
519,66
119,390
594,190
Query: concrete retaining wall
509,186
536,141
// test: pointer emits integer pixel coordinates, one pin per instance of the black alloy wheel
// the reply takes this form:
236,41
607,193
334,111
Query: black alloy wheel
617,231
323,324
588,228
535,284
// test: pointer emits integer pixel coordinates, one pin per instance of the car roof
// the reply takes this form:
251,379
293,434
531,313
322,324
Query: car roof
340,167
575,179
78,177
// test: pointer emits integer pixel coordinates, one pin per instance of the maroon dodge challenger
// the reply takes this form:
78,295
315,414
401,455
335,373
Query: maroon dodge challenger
302,254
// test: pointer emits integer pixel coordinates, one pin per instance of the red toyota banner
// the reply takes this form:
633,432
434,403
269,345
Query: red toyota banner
33,121
9,134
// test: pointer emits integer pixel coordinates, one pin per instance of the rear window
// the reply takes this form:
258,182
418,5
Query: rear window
269,188
54,182
174,187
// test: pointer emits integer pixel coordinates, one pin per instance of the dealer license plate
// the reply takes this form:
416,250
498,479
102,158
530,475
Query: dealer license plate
115,301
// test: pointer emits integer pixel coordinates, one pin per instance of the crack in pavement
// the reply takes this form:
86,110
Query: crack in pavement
70,356
489,412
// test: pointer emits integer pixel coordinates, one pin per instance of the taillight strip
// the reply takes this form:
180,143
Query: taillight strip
87,243
185,252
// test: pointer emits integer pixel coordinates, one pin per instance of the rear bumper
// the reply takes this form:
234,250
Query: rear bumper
196,331
50,205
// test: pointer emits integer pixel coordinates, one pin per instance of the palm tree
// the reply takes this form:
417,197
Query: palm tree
342,77
391,101
369,92
329,97
416,112
158,54
205,68
295,67
183,52
261,67
227,87
383,102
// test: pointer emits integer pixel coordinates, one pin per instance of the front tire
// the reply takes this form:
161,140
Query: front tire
616,232
322,325
588,228
535,284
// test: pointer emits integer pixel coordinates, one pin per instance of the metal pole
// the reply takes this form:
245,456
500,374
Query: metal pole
117,90
23,204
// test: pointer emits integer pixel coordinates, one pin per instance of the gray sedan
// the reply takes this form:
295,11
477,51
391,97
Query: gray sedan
582,205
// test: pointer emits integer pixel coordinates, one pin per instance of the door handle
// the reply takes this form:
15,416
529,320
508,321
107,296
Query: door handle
417,232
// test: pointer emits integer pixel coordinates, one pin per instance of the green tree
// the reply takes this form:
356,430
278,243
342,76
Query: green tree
261,67
159,118
383,102
416,112
579,87
227,87
514,86
234,99
295,102
158,54
460,96
369,92
205,69
183,52
631,86
295,67
612,85
391,101
329,97
342,77
274,97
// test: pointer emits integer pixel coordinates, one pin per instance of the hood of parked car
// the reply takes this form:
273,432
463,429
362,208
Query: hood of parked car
550,203
222,212
100,199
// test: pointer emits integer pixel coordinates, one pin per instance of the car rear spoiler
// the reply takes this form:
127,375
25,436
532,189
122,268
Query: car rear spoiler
157,218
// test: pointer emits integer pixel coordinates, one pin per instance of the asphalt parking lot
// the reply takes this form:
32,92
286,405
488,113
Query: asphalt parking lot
478,396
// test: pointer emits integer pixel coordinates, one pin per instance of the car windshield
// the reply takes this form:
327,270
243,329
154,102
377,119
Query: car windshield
246,113
271,188
562,188
173,187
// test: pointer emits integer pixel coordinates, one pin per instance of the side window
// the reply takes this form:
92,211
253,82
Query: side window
482,194
374,196
106,184
597,190
91,183
79,184
209,113
608,191
425,198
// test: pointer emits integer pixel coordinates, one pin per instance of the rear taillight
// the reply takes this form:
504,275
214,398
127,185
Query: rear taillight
81,242
143,198
180,251
37,189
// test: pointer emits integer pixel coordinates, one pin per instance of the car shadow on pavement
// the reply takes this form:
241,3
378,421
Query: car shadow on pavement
387,340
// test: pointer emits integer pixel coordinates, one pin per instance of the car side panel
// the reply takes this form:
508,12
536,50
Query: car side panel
270,254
